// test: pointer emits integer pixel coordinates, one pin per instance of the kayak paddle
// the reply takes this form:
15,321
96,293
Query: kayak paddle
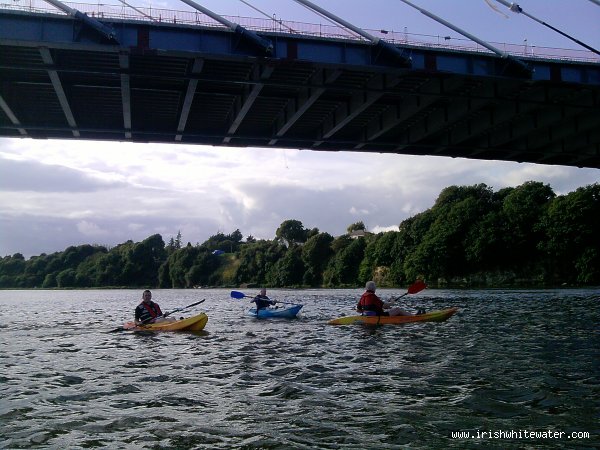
417,286
163,315
181,309
238,295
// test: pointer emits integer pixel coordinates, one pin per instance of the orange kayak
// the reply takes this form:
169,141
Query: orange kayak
433,316
194,323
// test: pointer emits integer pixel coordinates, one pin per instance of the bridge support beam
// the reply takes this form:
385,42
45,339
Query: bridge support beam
308,96
189,98
125,93
59,91
246,103
12,116
357,104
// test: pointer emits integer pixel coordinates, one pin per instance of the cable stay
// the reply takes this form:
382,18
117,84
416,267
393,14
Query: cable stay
280,22
379,43
520,65
518,10
250,36
147,16
332,22
107,32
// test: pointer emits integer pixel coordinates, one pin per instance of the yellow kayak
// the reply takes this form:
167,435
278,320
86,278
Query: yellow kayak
433,316
194,323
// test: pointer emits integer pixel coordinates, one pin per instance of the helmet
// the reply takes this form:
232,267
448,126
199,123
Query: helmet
370,286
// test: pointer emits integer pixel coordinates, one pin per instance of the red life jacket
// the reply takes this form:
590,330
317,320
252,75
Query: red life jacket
153,309
370,302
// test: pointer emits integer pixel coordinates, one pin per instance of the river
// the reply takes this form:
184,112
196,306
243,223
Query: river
510,361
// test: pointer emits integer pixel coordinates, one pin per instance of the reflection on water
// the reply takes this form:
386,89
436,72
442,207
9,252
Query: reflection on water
508,360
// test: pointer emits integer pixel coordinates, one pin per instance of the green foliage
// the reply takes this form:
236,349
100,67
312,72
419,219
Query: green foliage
180,263
316,254
356,226
571,240
522,209
66,278
343,268
228,243
471,232
455,215
256,260
288,270
383,260
291,232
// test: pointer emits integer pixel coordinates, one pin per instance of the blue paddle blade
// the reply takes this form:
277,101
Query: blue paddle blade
236,294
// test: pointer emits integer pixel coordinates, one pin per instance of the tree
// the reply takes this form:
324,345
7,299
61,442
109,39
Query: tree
202,269
229,243
164,277
356,227
88,272
344,266
66,278
525,232
49,281
236,236
256,260
13,265
383,260
174,243
311,233
522,210
570,226
315,254
291,232
180,263
287,271
440,250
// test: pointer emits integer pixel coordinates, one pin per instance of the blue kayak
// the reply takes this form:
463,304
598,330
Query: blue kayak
282,313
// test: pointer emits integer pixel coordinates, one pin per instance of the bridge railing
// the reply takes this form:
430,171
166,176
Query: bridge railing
128,11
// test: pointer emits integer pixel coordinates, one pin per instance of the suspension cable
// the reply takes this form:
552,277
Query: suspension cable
518,10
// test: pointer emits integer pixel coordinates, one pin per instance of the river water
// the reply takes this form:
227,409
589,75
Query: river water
509,361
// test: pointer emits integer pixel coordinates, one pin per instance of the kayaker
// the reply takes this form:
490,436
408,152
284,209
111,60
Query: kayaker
370,304
262,301
147,311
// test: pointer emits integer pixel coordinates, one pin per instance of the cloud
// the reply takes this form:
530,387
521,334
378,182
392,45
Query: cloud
380,229
356,212
64,194
27,175
91,229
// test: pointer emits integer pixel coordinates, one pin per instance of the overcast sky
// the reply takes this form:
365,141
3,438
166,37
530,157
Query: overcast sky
59,193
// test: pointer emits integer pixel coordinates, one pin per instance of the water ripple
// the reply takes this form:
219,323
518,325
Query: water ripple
521,360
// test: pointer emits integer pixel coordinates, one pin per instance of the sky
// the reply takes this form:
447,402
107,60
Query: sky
54,194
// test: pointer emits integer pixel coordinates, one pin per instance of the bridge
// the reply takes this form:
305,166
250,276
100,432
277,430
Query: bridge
155,76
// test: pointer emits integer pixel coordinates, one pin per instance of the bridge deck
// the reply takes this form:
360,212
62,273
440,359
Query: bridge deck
203,85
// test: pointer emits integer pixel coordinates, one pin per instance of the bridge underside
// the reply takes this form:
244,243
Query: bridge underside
176,84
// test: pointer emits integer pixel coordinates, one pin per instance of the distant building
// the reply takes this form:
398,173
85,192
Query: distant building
355,234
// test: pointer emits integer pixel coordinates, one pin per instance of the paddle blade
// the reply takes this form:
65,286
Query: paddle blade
237,294
417,286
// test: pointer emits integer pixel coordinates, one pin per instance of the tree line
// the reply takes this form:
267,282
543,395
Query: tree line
471,236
